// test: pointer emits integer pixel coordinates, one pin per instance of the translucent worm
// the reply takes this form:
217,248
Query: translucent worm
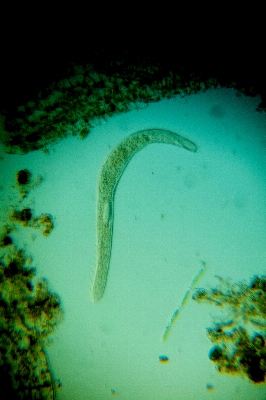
109,177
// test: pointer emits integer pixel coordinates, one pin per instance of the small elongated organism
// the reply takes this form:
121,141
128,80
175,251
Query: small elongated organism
109,177
184,301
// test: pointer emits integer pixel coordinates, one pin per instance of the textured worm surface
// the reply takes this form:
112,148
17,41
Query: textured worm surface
109,177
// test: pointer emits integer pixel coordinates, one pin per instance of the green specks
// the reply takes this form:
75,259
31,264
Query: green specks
163,359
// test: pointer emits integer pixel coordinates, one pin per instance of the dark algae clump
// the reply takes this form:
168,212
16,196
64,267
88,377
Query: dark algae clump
25,218
216,353
25,182
23,215
239,339
5,241
23,177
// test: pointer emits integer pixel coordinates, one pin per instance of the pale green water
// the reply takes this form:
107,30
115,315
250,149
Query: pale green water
173,210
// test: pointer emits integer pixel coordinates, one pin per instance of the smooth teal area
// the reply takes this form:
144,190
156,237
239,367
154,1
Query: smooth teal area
173,210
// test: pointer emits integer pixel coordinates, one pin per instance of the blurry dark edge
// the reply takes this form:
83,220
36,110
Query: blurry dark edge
23,78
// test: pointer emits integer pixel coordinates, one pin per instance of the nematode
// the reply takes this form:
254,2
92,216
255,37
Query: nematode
109,177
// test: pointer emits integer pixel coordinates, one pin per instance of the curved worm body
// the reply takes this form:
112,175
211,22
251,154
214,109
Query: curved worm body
109,177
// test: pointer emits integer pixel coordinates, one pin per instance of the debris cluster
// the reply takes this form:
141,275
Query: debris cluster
29,312
89,94
239,338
